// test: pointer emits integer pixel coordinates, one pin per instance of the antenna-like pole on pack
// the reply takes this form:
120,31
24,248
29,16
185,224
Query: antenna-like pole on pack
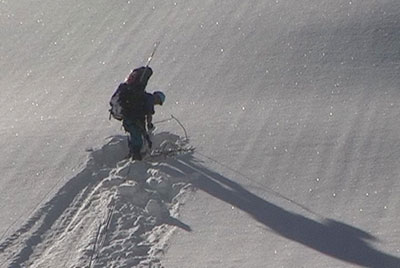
150,58
152,53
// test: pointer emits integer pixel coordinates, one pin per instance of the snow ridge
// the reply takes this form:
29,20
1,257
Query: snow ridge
114,213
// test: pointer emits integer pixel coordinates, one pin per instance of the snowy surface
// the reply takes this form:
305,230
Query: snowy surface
292,108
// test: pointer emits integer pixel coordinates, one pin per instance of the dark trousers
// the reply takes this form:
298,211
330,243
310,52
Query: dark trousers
136,130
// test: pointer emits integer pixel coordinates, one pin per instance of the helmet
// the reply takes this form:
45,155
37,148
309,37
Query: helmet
160,95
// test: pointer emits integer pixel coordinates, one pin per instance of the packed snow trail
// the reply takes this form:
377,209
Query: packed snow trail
299,95
114,213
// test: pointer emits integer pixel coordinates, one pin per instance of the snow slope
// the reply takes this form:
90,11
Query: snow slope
292,106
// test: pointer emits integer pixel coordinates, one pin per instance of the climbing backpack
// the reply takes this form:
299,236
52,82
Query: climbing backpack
129,99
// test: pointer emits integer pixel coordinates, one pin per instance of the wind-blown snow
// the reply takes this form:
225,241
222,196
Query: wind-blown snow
292,108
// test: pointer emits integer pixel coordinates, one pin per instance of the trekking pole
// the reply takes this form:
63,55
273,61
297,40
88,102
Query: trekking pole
150,58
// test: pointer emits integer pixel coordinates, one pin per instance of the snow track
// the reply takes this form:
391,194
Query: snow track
293,107
114,213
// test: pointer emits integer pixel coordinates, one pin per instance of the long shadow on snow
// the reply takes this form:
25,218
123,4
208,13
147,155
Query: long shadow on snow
75,190
330,237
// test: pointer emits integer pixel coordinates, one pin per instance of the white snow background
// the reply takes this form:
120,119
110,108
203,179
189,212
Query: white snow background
292,107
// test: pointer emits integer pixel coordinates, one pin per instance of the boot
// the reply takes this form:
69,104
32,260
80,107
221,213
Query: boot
136,155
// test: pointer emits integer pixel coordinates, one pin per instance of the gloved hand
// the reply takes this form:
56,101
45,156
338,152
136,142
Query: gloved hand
150,126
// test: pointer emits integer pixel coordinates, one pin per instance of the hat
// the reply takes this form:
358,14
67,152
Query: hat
160,95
